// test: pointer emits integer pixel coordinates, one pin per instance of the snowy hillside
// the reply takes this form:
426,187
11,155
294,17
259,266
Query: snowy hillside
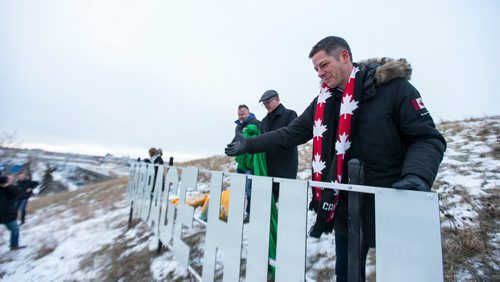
84,234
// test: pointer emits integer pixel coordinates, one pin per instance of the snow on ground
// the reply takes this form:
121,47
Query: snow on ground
70,240
468,170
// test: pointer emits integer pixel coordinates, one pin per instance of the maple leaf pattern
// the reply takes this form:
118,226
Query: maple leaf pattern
348,105
318,129
342,145
324,94
317,164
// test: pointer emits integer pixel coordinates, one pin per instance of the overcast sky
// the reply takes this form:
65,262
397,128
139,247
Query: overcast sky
119,77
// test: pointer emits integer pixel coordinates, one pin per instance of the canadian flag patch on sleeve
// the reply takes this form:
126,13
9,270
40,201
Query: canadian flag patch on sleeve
418,104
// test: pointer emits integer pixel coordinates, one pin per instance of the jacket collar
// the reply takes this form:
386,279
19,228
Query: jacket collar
249,118
280,109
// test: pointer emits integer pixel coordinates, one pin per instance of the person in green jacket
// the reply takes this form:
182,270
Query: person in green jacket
257,163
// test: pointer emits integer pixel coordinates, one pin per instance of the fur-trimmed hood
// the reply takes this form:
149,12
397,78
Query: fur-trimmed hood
383,70
380,71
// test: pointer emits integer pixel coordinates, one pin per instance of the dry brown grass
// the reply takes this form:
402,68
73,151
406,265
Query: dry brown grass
66,197
100,195
4,259
44,250
458,247
452,128
325,274
470,250
216,163
134,267
494,153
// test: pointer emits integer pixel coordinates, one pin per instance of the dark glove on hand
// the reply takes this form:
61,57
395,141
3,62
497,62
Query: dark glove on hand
236,148
412,182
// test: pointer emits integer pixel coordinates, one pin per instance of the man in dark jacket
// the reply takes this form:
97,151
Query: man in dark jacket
26,187
375,115
155,158
245,118
281,161
8,211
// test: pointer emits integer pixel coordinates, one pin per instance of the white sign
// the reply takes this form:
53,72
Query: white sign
407,224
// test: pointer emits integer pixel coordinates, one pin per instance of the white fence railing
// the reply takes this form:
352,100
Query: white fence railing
408,234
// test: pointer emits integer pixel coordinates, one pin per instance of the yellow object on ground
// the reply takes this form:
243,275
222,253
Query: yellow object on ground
224,207
194,201
202,200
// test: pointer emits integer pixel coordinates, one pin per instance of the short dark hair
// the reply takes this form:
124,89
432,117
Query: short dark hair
243,107
3,179
332,45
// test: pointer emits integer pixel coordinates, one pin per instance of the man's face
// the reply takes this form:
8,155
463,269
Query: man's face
21,177
271,104
332,72
243,114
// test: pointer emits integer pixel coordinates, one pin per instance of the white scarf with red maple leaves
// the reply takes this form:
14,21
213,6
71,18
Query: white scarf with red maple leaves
343,142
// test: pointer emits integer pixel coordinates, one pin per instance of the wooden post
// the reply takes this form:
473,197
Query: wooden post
355,265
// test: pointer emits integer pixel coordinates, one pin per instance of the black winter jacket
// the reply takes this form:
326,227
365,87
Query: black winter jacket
282,161
24,186
390,134
8,199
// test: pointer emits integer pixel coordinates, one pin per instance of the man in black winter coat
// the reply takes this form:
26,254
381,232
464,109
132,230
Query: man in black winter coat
281,161
245,118
390,131
26,186
155,158
8,210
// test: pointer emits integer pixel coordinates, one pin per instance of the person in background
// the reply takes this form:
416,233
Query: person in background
245,118
282,161
156,159
8,211
367,111
26,185
155,155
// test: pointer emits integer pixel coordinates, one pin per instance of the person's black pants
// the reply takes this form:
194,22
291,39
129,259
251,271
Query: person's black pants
341,261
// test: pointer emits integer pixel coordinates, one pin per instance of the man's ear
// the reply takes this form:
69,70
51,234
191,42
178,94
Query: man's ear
344,56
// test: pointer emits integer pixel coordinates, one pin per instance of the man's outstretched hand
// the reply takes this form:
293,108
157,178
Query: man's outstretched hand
412,182
238,147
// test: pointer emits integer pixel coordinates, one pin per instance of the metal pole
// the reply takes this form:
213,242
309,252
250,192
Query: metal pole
355,266
130,215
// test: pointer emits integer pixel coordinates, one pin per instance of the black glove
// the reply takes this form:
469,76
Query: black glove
238,147
412,182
